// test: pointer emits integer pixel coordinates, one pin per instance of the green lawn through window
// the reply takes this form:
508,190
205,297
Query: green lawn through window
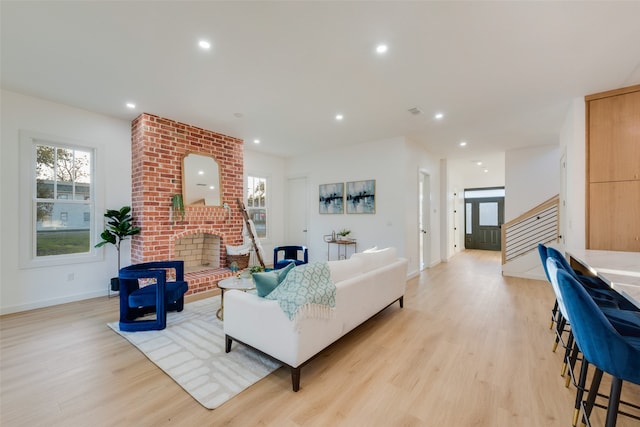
63,242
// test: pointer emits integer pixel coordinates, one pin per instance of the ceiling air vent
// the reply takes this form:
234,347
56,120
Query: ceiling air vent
415,111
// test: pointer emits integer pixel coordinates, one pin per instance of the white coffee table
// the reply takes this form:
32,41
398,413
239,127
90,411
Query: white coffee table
239,283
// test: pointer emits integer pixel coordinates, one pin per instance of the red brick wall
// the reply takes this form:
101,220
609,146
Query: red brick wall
158,146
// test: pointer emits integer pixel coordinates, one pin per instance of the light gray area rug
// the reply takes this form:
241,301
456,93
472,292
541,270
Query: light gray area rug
191,351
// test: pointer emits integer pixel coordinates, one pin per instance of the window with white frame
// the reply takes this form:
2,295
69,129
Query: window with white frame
62,200
257,203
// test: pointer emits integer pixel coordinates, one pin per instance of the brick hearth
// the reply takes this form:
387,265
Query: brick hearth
158,146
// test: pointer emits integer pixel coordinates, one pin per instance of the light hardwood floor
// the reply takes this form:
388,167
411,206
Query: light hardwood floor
470,348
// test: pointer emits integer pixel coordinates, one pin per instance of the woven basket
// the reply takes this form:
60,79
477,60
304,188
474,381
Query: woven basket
241,260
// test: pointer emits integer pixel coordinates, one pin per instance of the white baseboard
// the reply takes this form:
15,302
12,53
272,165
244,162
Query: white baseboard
50,302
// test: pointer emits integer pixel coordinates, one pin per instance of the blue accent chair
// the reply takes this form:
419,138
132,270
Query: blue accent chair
296,254
159,297
601,345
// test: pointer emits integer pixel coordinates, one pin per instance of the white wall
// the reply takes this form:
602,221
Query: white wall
532,176
272,168
22,289
572,142
394,164
354,163
418,160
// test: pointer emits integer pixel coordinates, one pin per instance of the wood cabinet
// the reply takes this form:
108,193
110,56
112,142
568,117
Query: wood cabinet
613,170
615,216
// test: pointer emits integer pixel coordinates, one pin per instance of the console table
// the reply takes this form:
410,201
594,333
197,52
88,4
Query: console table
343,246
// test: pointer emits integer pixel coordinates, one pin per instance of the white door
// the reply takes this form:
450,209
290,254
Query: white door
424,219
296,212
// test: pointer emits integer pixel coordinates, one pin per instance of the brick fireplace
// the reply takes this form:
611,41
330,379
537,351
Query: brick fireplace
158,146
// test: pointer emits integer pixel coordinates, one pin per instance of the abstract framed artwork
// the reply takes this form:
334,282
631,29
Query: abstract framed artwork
361,197
331,198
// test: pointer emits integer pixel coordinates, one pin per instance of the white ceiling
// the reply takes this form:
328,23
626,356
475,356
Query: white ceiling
503,73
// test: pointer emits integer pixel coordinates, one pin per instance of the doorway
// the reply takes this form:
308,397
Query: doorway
484,216
424,219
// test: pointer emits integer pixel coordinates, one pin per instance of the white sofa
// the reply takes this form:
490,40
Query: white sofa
365,284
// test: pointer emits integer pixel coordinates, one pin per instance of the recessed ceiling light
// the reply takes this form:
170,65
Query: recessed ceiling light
339,117
381,48
200,172
438,116
211,187
256,141
131,105
486,170
204,44
463,143
479,163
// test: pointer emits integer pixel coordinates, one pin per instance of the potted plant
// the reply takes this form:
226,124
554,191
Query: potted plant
118,228
343,234
256,269
177,208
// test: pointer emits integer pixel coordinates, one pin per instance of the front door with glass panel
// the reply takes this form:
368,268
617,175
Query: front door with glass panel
484,215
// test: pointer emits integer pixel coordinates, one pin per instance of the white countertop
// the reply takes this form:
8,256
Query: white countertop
620,270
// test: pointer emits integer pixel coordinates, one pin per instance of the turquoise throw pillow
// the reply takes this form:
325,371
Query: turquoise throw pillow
282,273
266,282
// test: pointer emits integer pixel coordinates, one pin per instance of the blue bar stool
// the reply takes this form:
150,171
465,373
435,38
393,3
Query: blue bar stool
601,345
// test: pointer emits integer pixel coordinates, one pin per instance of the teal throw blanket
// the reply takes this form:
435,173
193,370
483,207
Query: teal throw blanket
306,291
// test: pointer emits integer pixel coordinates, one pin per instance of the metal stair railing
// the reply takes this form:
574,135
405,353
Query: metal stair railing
538,225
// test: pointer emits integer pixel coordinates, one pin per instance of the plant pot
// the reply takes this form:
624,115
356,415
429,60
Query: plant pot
115,284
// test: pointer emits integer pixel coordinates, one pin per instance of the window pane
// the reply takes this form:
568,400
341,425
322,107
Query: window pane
477,194
44,189
61,228
82,168
256,194
82,191
488,213
63,175
468,210
259,217
45,175
257,203
45,159
64,164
